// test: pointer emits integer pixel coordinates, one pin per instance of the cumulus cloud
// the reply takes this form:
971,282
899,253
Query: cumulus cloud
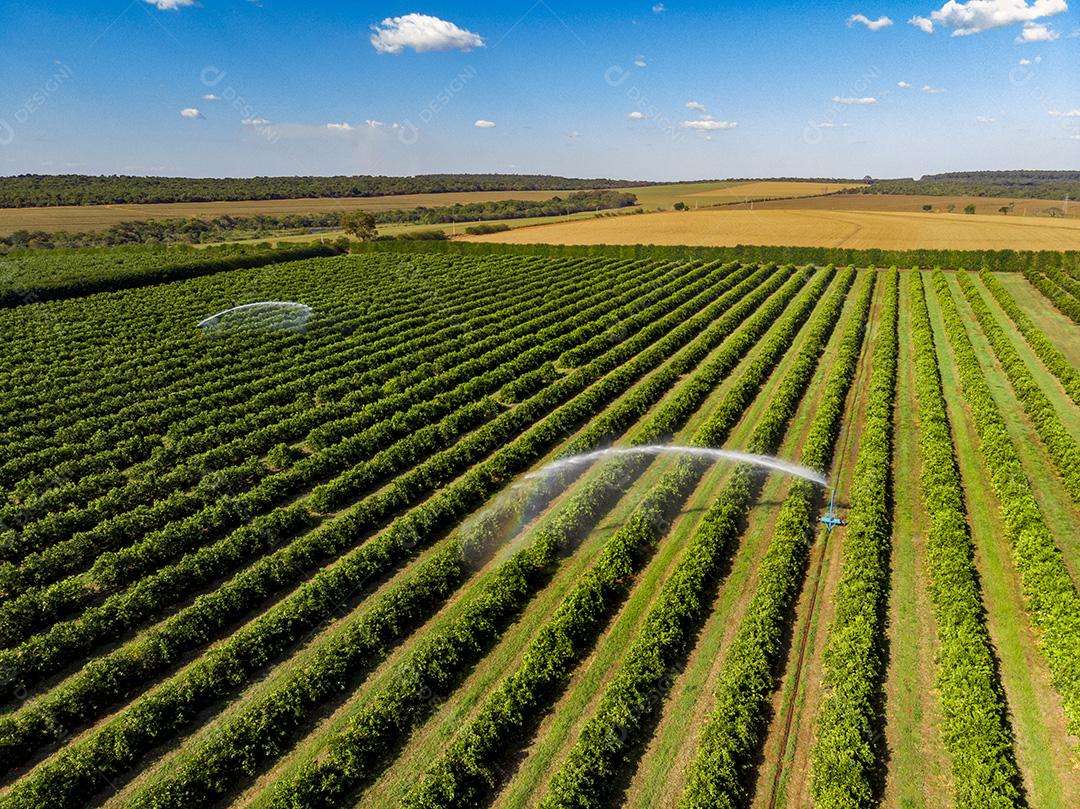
695,105
482,124
905,85
211,97
637,115
708,124
932,90
255,122
640,61
984,119
342,127
659,8
976,16
170,5
190,112
854,102
422,33
873,25
1037,32
373,124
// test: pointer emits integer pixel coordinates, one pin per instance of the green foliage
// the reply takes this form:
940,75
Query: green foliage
360,224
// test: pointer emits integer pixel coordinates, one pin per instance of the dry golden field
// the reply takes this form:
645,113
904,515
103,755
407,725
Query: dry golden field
913,203
810,228
99,217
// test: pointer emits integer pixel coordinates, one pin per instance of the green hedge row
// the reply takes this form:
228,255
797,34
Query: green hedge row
977,731
1052,358
999,260
628,704
1048,588
1060,445
845,755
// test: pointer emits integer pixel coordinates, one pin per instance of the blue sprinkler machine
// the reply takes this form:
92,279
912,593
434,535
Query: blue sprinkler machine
831,518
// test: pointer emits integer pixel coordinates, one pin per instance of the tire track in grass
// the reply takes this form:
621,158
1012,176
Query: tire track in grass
918,776
787,752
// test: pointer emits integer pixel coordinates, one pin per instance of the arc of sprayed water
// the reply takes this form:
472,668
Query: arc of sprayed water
765,461
519,503
291,304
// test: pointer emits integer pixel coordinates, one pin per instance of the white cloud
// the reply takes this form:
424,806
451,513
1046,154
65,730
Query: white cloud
1037,32
856,102
482,124
190,112
659,8
1026,62
255,122
637,115
708,124
211,97
342,127
873,25
1069,114
640,61
170,5
573,135
904,85
933,90
976,16
828,125
984,119
1075,137
695,105
422,33
373,124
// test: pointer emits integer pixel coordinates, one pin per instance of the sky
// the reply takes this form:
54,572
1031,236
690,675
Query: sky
636,90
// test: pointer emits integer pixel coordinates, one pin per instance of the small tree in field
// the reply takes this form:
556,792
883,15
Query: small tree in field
928,208
969,209
679,206
360,224
1004,209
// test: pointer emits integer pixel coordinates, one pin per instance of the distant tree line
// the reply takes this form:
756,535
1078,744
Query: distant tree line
221,228
37,190
1021,184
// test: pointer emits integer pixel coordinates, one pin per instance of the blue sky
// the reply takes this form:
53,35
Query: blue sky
119,87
